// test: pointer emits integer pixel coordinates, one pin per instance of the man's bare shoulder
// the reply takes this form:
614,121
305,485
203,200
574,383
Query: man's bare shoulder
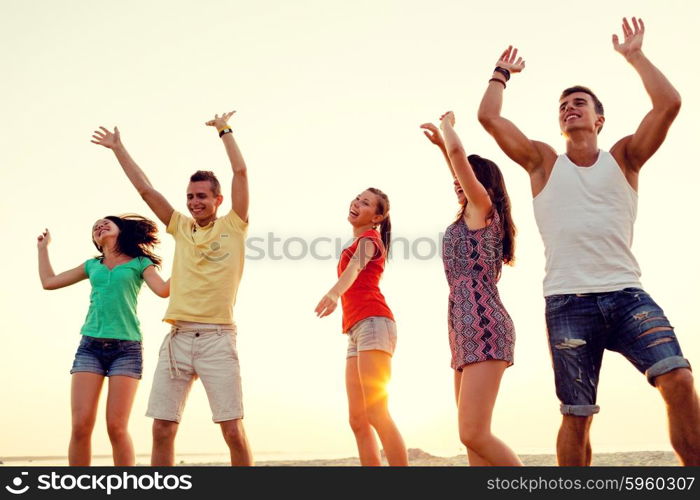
541,170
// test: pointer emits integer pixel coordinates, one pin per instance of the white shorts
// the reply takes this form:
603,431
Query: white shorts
375,333
192,350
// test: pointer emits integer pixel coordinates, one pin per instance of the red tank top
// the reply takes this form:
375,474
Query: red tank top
363,299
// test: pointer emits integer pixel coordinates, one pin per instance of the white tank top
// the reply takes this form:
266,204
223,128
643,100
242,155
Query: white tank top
586,218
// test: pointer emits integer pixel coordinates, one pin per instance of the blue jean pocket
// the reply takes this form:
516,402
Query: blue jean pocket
131,346
554,302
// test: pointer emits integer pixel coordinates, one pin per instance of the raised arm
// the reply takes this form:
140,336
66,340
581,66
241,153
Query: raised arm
155,282
434,136
363,254
49,279
529,154
112,140
239,186
636,149
477,196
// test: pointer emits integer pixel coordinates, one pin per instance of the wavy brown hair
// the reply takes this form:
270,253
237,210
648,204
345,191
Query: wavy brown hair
490,176
137,237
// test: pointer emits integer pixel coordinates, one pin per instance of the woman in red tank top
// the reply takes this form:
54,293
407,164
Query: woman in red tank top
370,326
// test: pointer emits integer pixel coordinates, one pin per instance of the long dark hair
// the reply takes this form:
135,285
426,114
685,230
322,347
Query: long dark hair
137,237
383,209
489,175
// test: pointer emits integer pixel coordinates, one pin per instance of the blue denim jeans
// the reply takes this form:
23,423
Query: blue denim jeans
109,357
581,327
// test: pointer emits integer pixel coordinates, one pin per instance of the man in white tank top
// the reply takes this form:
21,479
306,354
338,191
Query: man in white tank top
585,205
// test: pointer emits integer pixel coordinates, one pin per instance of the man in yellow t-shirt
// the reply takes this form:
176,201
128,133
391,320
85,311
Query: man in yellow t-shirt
207,268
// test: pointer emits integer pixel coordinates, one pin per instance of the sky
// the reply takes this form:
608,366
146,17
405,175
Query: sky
329,98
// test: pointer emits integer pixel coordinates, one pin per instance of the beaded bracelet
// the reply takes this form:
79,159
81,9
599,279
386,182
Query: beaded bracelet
502,71
499,81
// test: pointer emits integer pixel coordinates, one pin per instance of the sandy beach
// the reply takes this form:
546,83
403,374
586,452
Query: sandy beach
418,457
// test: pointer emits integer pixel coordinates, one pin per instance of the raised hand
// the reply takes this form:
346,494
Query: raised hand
446,118
508,60
433,134
43,239
220,121
105,138
633,34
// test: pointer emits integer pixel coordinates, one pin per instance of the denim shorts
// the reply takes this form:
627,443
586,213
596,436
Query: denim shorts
581,327
375,333
109,357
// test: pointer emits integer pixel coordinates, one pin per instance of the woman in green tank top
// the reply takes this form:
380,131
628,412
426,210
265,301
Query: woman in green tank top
110,343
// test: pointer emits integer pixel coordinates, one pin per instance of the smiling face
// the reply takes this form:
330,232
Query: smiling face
461,198
202,202
104,232
577,112
363,210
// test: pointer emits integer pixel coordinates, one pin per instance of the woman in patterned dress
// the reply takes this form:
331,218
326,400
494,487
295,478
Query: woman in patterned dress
481,332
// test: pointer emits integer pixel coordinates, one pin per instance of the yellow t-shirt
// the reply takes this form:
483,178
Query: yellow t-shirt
207,268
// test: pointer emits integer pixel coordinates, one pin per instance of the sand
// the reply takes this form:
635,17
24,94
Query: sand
418,457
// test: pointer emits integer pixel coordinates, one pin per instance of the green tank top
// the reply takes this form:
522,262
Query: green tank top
112,312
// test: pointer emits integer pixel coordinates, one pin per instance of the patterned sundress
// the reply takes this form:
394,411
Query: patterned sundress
479,326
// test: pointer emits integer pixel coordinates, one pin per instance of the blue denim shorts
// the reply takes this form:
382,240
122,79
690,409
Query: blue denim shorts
581,327
109,357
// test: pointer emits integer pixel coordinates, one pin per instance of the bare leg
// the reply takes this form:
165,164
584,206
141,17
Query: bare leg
164,432
678,391
573,441
375,371
237,442
477,397
85,394
120,399
367,445
475,460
